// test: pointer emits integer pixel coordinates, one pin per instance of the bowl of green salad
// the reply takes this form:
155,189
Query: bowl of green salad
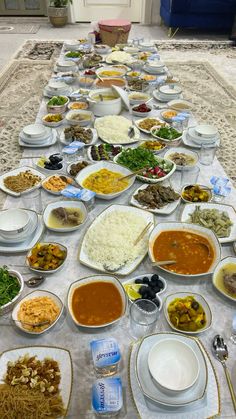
167,134
11,288
57,104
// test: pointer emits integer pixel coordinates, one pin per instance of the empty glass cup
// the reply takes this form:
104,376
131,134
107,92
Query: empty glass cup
190,177
33,200
207,154
143,317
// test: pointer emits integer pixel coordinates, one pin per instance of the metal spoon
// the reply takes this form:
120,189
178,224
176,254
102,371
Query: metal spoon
220,351
35,281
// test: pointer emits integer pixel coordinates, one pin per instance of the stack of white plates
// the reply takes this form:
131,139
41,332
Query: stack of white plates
66,65
24,239
153,400
37,135
155,67
167,92
203,134
57,88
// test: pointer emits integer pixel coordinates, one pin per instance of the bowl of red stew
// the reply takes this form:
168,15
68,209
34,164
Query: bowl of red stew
194,250
96,301
141,110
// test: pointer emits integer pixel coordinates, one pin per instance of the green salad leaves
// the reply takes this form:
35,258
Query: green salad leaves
9,286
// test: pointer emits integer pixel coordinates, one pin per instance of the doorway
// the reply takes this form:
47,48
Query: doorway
94,10
23,8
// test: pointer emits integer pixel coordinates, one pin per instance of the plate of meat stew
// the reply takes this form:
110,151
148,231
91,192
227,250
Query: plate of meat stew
156,198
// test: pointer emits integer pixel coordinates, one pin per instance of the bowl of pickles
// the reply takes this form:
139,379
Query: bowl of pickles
196,193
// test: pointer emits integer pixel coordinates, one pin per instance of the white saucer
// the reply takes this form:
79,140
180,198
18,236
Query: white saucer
40,140
27,244
74,69
47,143
156,71
23,236
151,390
189,142
198,139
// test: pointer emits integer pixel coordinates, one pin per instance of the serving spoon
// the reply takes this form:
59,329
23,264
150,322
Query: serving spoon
220,351
35,281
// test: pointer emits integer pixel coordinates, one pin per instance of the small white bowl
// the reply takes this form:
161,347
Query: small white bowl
155,65
113,167
219,284
207,131
97,278
208,190
82,122
13,221
34,131
30,296
167,119
175,142
57,84
101,70
173,366
71,104
52,124
170,90
51,271
185,105
8,307
66,65
200,299
64,204
141,114
136,98
86,81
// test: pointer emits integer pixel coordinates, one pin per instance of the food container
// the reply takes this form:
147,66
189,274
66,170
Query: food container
66,65
173,366
52,124
114,31
47,271
198,298
139,113
86,117
107,397
109,82
58,108
86,81
12,222
8,307
106,356
113,72
105,107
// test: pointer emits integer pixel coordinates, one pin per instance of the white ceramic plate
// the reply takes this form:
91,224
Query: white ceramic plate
62,356
51,192
64,92
106,137
136,101
66,142
182,150
148,180
207,407
15,172
75,162
193,228
158,296
166,210
25,234
47,143
36,140
200,299
34,294
34,131
90,169
127,268
153,151
221,264
156,71
96,161
162,98
189,209
190,143
137,122
172,104
83,122
51,172
64,204
145,379
29,242
45,271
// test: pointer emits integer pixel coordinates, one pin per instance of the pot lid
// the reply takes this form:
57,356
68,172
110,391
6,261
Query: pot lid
123,95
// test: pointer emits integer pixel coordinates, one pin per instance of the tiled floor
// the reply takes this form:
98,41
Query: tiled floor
9,43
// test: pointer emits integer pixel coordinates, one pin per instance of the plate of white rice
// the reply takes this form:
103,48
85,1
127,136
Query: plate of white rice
114,129
108,244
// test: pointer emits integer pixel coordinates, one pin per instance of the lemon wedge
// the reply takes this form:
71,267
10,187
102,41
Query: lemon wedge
132,291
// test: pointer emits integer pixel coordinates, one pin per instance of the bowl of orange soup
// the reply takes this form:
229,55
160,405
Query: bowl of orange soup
96,301
194,249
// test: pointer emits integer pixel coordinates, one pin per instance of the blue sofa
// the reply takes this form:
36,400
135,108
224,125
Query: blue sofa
198,14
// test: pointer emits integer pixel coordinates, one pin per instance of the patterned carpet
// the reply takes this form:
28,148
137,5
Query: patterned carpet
22,83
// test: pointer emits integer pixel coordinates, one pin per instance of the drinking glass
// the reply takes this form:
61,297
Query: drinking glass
207,154
190,177
33,200
143,317
176,180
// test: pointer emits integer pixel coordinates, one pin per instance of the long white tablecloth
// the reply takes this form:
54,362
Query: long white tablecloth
67,335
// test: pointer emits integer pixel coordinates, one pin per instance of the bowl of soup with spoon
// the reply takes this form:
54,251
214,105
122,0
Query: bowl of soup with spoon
104,102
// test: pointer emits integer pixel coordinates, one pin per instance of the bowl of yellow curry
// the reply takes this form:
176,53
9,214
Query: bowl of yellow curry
105,179
188,313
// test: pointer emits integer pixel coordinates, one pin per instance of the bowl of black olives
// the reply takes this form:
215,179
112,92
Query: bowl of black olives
52,163
146,286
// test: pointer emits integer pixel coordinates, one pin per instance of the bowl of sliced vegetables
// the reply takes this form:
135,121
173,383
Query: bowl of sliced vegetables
57,104
155,168
52,120
167,134
153,145
11,288
46,257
